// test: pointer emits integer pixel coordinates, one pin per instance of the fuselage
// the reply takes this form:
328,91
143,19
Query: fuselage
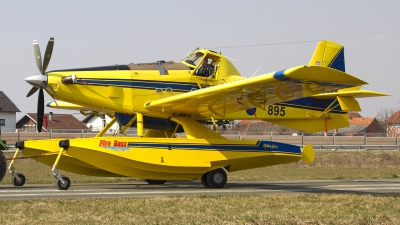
127,88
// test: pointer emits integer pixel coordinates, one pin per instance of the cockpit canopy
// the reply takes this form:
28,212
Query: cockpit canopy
222,67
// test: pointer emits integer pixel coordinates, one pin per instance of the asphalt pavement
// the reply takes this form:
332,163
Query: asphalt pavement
126,190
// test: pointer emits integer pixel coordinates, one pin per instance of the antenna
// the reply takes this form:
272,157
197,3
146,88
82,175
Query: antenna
255,72
231,58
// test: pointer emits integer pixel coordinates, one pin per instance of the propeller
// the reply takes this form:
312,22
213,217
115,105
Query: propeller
39,81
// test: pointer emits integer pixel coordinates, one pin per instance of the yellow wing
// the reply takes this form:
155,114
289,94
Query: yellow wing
259,91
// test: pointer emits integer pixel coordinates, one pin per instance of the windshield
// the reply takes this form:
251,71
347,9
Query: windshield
194,59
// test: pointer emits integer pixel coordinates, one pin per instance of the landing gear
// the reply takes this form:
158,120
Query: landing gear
214,179
155,181
18,179
63,183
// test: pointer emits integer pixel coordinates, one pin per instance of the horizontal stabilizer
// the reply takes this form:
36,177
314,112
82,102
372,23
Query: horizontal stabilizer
354,94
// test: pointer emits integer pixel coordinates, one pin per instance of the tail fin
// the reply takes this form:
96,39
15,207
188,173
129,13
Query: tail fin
328,54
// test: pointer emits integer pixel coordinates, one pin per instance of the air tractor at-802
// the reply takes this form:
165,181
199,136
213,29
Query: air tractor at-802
161,99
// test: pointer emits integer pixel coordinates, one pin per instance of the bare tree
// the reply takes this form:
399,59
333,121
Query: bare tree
383,115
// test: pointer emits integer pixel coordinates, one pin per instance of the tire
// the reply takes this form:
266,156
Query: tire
3,165
65,186
155,181
18,182
216,178
149,181
204,181
159,181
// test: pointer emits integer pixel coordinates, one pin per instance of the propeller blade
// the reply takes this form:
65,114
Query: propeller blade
32,91
40,111
47,54
38,56
51,91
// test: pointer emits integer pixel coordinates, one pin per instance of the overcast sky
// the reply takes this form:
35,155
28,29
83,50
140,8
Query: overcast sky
99,33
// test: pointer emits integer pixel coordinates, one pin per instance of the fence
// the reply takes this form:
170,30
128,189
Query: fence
319,141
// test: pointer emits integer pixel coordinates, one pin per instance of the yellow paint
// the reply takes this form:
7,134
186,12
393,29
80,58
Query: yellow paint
105,129
12,161
139,121
177,163
183,97
348,104
308,154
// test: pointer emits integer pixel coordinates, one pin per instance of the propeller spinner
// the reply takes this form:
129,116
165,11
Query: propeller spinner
39,81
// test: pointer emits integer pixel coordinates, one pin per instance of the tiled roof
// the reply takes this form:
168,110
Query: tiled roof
60,121
354,115
87,118
6,105
361,121
395,118
353,129
246,122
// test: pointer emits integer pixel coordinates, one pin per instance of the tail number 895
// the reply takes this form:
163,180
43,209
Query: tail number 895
276,110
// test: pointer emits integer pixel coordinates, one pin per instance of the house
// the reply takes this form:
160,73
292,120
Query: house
8,112
362,126
354,115
393,125
95,123
66,122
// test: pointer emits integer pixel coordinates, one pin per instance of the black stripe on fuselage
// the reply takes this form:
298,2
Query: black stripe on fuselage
98,68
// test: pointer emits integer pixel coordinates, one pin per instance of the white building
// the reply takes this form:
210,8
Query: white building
97,123
8,113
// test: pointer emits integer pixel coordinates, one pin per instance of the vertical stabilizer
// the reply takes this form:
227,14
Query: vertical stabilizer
328,54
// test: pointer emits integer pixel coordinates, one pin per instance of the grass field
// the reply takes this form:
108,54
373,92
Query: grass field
230,209
234,209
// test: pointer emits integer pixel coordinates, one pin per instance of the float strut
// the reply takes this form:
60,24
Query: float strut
139,124
104,130
215,125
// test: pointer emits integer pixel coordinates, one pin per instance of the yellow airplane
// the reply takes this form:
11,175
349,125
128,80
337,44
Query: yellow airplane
163,98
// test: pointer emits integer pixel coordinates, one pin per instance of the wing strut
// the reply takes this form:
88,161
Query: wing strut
215,124
330,108
128,125
109,124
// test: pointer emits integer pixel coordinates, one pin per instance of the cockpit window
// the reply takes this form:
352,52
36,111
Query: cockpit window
194,59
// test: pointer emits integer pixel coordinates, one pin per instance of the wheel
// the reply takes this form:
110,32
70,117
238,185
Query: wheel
155,181
20,181
216,178
204,180
63,186
159,181
149,181
3,165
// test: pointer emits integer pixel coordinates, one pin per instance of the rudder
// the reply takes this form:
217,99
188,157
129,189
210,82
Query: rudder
328,54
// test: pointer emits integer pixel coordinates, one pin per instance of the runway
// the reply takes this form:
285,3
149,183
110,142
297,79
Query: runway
124,190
